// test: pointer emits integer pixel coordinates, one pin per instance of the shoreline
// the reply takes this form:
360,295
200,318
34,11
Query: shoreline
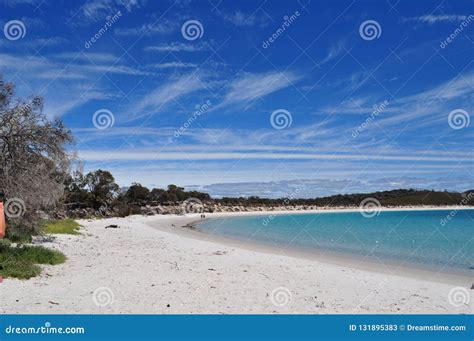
190,228
152,265
350,210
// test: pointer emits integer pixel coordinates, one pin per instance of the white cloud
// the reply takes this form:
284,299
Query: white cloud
162,26
13,3
95,10
432,105
311,188
199,152
93,57
166,93
434,19
49,75
176,47
67,66
174,65
425,108
57,106
253,86
241,19
334,51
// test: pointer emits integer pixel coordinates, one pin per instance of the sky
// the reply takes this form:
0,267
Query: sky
255,97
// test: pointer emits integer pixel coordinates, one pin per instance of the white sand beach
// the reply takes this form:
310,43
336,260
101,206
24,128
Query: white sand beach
150,266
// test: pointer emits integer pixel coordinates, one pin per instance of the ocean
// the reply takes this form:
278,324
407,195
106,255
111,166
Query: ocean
442,240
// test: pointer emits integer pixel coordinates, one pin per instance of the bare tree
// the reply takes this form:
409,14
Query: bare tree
33,155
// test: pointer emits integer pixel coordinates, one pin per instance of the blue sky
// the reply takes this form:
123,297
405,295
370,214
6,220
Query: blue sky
365,95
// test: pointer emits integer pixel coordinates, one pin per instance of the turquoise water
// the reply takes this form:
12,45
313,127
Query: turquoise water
418,237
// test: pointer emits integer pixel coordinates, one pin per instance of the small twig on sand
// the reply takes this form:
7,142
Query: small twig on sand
175,264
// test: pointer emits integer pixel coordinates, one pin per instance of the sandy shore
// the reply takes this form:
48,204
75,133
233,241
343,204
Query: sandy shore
150,266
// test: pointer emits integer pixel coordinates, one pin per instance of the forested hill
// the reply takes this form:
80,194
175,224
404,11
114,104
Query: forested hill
398,197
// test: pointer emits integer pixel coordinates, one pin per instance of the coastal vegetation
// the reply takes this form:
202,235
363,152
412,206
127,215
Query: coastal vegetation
392,198
34,157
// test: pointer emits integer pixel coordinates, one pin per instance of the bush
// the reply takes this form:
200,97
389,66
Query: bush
121,209
137,193
35,156
18,233
135,209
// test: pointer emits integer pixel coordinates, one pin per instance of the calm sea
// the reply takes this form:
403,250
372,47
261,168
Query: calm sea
426,238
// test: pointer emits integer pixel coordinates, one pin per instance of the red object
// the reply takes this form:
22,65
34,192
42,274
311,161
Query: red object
3,225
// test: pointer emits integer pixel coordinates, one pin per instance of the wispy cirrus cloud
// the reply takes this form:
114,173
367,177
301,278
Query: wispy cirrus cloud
334,51
165,93
79,73
162,26
67,66
434,19
93,57
260,154
433,105
176,47
311,188
13,3
242,19
427,107
95,10
253,86
38,43
174,65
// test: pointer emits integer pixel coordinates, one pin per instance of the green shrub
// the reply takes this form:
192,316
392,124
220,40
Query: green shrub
41,255
21,261
66,226
19,269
